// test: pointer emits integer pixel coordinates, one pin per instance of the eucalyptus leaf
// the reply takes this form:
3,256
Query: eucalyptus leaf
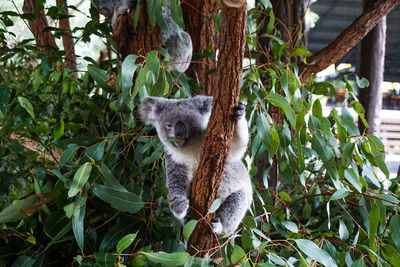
314,252
80,178
120,200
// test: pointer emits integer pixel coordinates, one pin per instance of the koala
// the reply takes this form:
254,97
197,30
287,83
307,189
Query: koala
176,41
181,125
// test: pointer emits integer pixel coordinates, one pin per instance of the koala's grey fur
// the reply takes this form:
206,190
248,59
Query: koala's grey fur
181,125
179,51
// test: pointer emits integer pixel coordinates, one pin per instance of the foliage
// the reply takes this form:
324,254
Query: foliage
82,180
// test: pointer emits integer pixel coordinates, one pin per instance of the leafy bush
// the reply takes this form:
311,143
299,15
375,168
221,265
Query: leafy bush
82,180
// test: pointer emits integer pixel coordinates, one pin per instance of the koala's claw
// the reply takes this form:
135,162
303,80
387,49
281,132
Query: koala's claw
216,225
179,207
238,112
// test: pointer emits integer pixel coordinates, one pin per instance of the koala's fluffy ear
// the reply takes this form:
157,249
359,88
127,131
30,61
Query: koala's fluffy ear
148,109
203,103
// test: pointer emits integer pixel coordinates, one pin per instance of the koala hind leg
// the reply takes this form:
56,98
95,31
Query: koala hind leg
230,213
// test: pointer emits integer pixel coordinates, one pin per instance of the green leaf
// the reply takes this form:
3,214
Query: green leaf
343,232
59,235
215,205
80,178
24,102
125,242
136,15
249,222
360,111
5,94
153,62
77,223
301,51
271,21
96,152
100,77
128,69
188,229
110,179
285,197
353,178
176,13
322,88
238,255
105,259
340,193
166,259
59,129
373,223
14,212
291,226
394,224
55,223
358,263
120,200
314,252
151,6
266,3
114,234
68,153
24,261
317,109
348,123
281,102
362,83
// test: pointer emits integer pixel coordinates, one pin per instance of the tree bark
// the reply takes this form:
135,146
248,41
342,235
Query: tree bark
220,127
139,40
68,41
372,67
348,38
200,28
37,26
290,17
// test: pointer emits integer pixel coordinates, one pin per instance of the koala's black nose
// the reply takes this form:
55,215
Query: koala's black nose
180,130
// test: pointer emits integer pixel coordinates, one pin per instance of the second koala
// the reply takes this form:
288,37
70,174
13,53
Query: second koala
181,125
180,50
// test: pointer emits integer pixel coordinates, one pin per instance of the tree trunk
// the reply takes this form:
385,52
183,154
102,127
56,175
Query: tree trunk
68,41
37,25
290,19
289,15
200,28
372,67
220,127
348,38
137,40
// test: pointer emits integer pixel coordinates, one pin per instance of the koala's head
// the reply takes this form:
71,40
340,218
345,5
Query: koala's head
180,123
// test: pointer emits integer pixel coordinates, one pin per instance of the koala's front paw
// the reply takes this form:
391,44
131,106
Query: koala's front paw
238,112
217,225
187,218
179,207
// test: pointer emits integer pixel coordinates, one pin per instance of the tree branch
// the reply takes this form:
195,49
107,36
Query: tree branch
220,127
68,41
139,40
348,38
38,25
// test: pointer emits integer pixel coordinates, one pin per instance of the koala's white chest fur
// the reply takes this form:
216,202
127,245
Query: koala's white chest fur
189,158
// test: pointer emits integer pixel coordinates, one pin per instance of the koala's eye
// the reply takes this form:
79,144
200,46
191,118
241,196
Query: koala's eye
168,125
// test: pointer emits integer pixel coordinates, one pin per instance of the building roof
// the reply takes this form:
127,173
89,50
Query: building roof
336,15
